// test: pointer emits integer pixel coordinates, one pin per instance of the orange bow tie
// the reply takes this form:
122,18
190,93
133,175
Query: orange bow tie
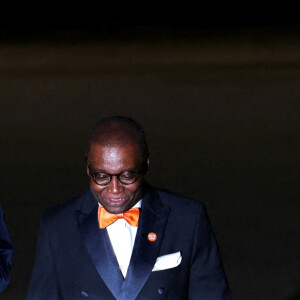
105,218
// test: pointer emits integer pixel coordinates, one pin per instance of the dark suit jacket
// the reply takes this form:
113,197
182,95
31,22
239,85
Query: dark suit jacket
75,259
6,252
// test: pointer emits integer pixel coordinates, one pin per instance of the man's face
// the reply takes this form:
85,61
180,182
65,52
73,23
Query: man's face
115,197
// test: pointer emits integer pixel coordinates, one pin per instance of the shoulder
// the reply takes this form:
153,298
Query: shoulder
179,202
63,210
184,210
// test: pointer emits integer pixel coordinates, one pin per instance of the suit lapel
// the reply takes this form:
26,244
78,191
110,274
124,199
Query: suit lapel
153,219
99,247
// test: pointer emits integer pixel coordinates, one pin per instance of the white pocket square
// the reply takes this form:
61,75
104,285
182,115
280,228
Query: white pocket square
167,261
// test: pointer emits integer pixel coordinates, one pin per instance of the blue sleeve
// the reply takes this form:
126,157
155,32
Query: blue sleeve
5,253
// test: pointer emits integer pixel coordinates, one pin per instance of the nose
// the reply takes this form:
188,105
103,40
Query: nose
115,186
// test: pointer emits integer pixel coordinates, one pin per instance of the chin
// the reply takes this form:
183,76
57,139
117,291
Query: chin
116,210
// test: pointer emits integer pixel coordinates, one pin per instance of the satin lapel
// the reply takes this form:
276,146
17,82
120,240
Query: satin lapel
100,250
153,219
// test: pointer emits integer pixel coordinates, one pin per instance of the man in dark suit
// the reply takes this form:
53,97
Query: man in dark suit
6,252
123,239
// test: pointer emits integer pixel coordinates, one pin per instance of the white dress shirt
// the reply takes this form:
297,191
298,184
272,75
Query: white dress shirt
122,237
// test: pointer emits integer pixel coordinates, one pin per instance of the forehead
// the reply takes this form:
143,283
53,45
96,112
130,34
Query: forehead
114,157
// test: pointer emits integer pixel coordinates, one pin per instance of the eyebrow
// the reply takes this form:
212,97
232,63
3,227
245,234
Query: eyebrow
103,171
97,170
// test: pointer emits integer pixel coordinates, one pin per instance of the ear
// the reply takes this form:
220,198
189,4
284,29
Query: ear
87,165
146,166
87,170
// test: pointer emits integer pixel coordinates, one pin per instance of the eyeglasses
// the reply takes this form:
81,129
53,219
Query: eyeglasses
126,177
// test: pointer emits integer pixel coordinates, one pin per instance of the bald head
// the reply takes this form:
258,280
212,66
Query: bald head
118,131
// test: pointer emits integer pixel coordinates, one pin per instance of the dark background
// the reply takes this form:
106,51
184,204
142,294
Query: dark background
219,101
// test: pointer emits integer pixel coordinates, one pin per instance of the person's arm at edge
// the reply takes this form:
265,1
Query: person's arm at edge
6,252
43,283
207,277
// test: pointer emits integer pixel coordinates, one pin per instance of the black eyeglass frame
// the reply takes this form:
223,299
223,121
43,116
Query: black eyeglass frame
141,169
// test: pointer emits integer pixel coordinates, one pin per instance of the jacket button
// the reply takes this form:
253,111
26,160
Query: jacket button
160,291
84,294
